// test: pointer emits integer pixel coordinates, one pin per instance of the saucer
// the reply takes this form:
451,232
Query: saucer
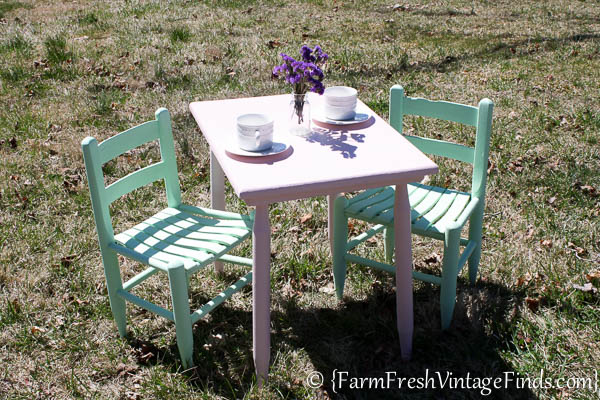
279,146
358,118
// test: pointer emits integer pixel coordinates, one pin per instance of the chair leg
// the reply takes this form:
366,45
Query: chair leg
340,240
330,207
388,236
449,276
475,230
181,311
112,274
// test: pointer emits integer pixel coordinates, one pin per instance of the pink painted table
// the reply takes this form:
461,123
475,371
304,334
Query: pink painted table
331,160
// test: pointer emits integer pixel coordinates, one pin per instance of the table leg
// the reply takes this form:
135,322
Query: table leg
217,193
330,200
404,288
261,292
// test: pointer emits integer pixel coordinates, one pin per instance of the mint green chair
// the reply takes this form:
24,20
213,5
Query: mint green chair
178,240
439,213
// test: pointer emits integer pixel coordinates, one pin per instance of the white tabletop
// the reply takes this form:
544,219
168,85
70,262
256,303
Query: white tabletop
334,160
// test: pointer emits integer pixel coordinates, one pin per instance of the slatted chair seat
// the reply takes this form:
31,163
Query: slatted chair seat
172,235
178,240
436,212
433,208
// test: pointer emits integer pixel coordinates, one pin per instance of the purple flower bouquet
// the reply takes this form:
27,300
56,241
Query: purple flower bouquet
303,75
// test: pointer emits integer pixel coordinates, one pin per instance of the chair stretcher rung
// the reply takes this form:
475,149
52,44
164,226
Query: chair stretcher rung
146,305
236,260
427,277
139,278
370,263
436,235
465,254
221,297
391,269
364,236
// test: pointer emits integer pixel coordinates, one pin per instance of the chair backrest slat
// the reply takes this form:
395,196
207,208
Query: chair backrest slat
127,140
95,155
461,113
479,117
135,180
442,148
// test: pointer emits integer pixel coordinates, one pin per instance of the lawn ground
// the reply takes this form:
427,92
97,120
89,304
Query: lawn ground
79,68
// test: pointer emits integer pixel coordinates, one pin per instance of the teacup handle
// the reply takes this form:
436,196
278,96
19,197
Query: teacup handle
257,137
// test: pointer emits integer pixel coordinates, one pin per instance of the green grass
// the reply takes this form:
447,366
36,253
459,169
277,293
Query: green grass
56,49
8,6
180,34
73,69
16,44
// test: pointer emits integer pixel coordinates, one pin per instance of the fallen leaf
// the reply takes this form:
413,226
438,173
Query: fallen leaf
521,281
433,258
546,243
588,287
308,253
563,120
124,369
274,43
530,232
593,276
350,226
37,329
551,200
516,165
305,218
328,289
398,7
580,251
67,260
146,352
589,190
524,338
532,303
71,183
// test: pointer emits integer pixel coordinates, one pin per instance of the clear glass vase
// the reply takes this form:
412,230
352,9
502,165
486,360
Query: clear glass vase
299,115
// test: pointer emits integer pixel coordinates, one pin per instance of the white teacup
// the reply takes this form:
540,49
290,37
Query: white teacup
340,102
340,113
254,132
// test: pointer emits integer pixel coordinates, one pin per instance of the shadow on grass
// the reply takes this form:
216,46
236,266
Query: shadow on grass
452,62
360,338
